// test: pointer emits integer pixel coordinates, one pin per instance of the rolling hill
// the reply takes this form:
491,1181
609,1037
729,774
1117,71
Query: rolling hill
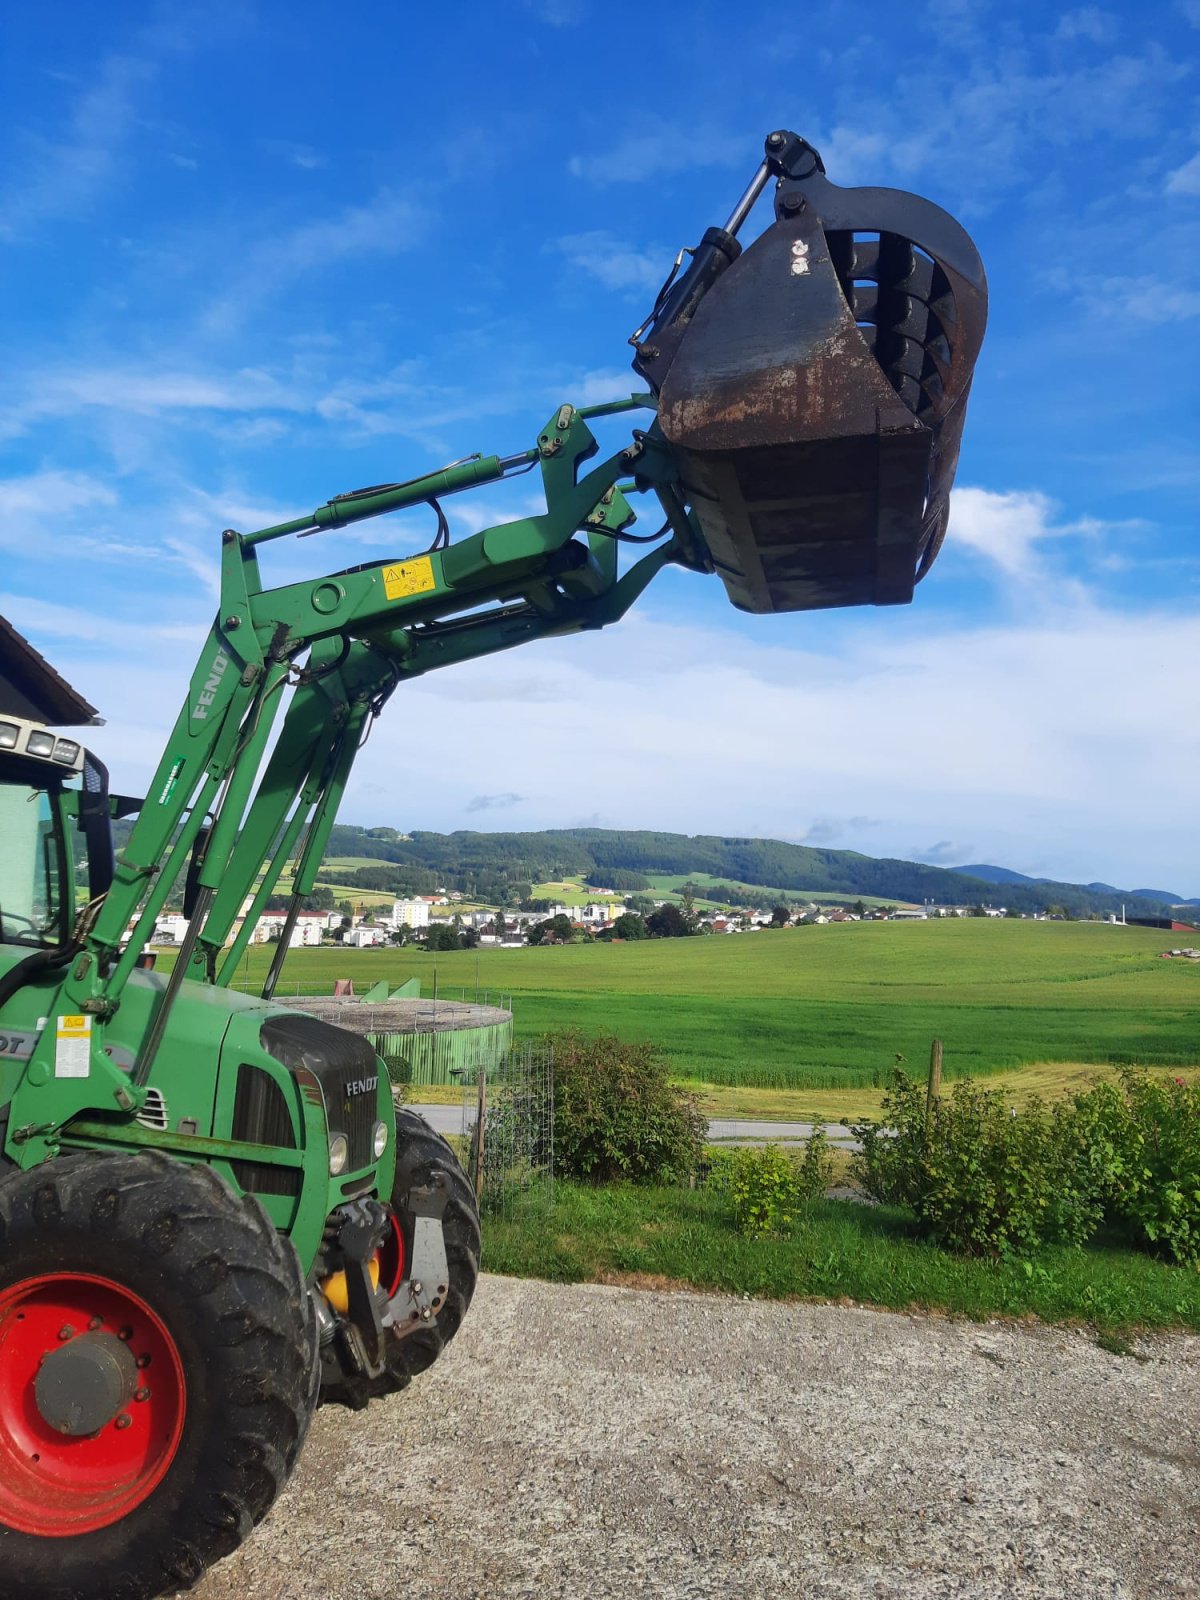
492,866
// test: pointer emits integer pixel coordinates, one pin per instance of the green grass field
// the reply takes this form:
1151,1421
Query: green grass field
831,1007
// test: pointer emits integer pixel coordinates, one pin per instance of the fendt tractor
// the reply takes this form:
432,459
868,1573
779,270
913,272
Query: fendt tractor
212,1216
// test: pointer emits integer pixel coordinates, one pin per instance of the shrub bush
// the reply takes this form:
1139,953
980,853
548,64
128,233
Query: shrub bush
617,1115
985,1180
1142,1145
767,1186
980,1178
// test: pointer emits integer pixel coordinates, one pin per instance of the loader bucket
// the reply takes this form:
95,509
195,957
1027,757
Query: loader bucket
813,394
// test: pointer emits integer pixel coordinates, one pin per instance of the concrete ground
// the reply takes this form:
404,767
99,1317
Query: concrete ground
582,1442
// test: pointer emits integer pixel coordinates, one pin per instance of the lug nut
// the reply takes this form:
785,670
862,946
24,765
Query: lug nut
66,1331
96,1322
143,1361
126,1334
124,1420
142,1394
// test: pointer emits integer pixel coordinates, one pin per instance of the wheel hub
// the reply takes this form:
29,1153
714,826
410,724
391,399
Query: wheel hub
81,1386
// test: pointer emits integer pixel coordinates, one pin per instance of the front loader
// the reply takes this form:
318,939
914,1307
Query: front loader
211,1215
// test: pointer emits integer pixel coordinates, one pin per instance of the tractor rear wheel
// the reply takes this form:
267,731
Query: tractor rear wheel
157,1374
420,1154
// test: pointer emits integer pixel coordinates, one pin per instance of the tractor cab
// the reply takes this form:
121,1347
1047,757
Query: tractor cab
54,818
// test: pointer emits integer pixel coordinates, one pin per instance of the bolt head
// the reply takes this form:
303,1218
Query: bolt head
96,1322
124,1420
775,140
793,202
142,1394
66,1332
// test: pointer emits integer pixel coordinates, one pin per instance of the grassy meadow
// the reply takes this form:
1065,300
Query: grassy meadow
829,1008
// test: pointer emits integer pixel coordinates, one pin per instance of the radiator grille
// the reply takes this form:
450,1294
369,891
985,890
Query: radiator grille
261,1116
347,1069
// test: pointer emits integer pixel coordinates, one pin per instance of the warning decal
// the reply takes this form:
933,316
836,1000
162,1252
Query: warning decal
408,577
73,1047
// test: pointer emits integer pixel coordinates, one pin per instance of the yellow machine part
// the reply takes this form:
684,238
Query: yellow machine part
337,1291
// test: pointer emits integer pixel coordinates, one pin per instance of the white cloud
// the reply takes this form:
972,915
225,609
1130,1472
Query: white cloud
997,743
601,255
1185,179
385,225
1089,22
1011,529
60,178
996,736
33,508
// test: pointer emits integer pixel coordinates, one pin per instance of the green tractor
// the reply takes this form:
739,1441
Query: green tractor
212,1216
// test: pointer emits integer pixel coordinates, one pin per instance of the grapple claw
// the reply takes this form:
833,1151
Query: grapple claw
813,391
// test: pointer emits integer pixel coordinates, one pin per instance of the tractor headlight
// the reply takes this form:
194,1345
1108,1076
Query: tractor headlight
379,1144
339,1153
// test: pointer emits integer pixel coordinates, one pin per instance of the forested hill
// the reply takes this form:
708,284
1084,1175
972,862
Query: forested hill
494,866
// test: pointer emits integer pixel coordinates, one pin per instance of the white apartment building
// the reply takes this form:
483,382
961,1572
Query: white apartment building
410,913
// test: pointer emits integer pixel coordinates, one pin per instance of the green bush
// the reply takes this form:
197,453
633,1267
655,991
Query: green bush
984,1180
617,1115
767,1186
1143,1144
980,1178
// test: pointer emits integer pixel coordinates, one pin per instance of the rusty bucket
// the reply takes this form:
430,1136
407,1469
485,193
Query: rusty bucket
813,387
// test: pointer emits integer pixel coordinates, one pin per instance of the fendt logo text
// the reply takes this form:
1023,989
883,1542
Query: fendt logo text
212,683
361,1086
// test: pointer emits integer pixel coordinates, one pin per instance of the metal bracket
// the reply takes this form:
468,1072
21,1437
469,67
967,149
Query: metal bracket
422,1293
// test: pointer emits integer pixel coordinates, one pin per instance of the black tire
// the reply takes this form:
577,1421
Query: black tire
229,1291
420,1152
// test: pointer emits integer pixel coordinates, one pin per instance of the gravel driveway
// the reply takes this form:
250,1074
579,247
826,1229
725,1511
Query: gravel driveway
591,1442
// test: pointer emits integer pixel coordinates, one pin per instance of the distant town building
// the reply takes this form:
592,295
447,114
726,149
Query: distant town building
411,913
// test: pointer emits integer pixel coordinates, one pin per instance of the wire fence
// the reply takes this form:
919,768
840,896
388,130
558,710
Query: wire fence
508,1121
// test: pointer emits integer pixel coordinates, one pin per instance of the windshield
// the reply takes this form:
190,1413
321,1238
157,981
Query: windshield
31,866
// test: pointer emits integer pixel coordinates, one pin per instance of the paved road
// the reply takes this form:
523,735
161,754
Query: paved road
449,1119
590,1443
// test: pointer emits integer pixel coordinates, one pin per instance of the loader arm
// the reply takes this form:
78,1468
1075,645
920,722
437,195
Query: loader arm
342,642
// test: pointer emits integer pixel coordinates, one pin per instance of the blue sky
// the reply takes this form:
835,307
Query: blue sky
256,255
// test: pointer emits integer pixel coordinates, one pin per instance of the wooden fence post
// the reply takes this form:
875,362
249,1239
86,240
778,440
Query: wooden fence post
480,1108
935,1077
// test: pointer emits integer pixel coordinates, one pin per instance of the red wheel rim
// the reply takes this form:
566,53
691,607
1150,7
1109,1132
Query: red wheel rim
57,1485
391,1257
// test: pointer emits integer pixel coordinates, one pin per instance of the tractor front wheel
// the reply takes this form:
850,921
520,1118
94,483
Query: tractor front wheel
420,1155
157,1374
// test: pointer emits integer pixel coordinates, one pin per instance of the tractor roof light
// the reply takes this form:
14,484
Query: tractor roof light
24,737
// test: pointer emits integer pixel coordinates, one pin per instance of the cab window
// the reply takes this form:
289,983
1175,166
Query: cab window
32,906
